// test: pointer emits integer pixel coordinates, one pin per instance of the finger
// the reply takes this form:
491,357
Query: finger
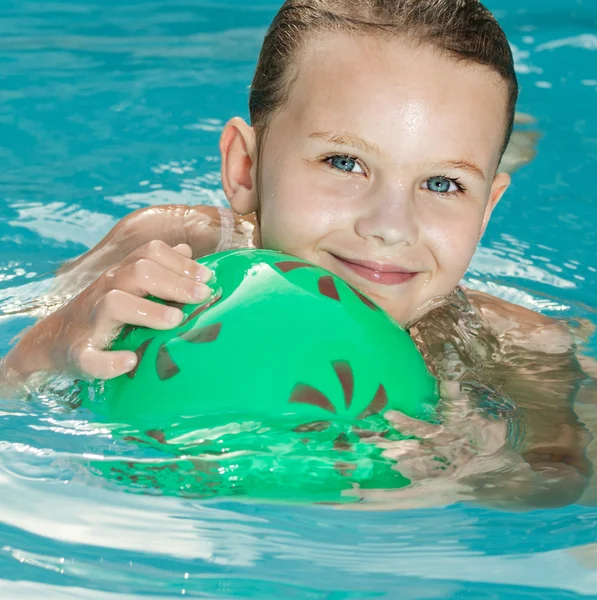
415,460
146,277
177,259
420,468
487,437
102,364
449,390
184,249
117,308
412,427
400,450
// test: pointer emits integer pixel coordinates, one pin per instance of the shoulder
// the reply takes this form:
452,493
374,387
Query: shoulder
520,326
172,214
203,227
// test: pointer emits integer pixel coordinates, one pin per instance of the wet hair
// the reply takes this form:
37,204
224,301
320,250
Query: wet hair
463,29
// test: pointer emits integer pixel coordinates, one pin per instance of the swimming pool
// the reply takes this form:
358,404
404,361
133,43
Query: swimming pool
108,106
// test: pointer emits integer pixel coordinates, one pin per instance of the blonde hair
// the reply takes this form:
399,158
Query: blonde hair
464,29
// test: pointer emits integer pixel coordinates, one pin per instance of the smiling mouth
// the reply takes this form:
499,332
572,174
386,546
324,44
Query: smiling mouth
377,273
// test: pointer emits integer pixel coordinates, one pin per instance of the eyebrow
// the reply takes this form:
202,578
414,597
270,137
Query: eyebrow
463,165
343,138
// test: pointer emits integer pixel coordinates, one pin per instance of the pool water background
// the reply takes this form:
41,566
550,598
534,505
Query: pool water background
107,106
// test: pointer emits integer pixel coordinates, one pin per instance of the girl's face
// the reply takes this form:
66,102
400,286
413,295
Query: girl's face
380,167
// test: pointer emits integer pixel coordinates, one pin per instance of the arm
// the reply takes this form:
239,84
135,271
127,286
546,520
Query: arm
197,226
525,454
539,370
586,408
150,252
74,337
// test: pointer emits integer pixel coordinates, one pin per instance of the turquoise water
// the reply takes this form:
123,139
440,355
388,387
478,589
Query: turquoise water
107,106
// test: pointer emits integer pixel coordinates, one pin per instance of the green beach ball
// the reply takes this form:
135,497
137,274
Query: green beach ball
294,350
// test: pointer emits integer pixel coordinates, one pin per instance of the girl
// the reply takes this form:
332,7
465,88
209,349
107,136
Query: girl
377,129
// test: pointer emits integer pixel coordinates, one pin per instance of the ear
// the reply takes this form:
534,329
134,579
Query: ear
239,166
499,186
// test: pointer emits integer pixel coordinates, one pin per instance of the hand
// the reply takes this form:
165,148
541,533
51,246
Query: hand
445,449
86,325
467,458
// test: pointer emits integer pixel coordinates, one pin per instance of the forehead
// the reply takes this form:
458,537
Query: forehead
388,87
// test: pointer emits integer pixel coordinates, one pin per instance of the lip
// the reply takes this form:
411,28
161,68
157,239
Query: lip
384,274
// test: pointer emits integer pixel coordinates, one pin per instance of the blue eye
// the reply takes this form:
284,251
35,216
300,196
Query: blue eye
439,184
443,185
345,163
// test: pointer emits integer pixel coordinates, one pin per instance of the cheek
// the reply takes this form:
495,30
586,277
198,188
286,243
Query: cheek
290,214
297,208
453,240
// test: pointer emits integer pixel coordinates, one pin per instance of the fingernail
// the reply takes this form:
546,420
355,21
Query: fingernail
200,291
129,363
173,315
203,274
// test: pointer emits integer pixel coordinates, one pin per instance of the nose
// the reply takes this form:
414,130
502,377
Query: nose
388,217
